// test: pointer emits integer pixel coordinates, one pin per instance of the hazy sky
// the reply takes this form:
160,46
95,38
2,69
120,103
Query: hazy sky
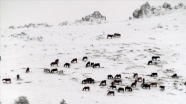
20,12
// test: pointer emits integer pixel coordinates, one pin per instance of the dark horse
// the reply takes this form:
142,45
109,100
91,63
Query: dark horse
154,84
155,57
118,76
135,75
67,65
55,62
111,36
103,83
113,87
27,70
154,74
18,77
134,83
162,88
86,88
6,80
174,76
117,35
74,60
150,62
110,92
53,70
110,77
117,81
120,89
96,65
85,58
128,88
145,86
88,64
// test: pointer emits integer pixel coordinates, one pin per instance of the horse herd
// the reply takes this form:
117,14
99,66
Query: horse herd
116,80
114,35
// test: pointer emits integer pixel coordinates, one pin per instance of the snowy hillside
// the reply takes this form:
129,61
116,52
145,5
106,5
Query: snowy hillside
140,39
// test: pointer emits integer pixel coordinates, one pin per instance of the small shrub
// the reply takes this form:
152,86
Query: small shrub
22,100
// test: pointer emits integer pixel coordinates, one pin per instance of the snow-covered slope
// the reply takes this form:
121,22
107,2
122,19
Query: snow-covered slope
140,40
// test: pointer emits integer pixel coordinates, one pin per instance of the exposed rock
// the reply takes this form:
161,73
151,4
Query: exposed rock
166,6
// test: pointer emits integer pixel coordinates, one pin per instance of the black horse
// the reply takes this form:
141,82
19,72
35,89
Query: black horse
18,77
135,75
127,88
110,77
67,65
117,81
134,84
86,88
27,70
92,64
96,65
162,88
144,85
150,62
88,64
154,74
74,60
55,62
85,58
118,76
154,84
54,70
88,80
174,76
7,80
113,87
120,89
111,36
103,83
110,93
117,35
155,57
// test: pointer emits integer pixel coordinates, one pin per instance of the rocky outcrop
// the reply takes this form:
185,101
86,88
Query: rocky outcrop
147,11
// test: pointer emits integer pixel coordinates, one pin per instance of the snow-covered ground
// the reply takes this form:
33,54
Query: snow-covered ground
140,40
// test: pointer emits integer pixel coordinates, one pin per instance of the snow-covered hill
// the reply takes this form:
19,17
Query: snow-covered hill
140,39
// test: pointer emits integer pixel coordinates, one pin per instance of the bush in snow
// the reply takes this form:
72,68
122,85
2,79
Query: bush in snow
63,102
22,100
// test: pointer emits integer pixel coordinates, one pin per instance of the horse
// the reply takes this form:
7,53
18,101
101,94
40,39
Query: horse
185,83
174,76
150,62
85,58
47,70
113,87
117,35
67,65
53,70
139,79
88,64
111,36
117,81
120,89
110,92
162,88
55,62
96,65
18,77
118,76
92,64
154,74
110,77
6,80
154,84
74,60
145,86
89,80
155,57
103,83
84,81
60,72
27,70
135,75
127,88
134,84
86,88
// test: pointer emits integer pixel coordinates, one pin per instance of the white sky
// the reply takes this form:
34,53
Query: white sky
20,12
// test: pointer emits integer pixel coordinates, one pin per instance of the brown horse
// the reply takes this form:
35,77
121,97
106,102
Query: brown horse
118,76
55,62
67,65
110,77
154,84
120,89
103,83
117,35
127,88
85,58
